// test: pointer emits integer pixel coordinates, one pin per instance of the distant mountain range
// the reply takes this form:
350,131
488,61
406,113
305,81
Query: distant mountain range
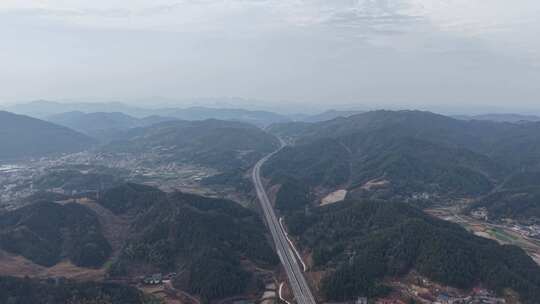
43,108
259,118
216,143
514,118
103,125
50,110
328,115
220,144
23,136
67,113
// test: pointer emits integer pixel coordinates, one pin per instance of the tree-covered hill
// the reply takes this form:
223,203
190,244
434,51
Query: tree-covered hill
518,198
23,136
130,198
220,144
203,239
409,164
512,144
360,243
46,233
412,150
522,204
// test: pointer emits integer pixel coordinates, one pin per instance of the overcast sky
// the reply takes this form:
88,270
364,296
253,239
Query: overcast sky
332,52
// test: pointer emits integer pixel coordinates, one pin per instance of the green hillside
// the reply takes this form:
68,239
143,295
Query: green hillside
204,240
511,144
23,136
412,151
224,145
360,243
130,198
519,204
518,198
46,232
409,164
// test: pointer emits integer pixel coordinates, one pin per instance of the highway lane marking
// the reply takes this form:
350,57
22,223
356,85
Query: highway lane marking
299,285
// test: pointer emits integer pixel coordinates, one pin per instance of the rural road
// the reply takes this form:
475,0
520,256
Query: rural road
300,288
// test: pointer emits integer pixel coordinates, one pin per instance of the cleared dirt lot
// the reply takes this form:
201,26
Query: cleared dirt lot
334,197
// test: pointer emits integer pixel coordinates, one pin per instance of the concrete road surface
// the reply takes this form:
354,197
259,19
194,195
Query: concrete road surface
300,288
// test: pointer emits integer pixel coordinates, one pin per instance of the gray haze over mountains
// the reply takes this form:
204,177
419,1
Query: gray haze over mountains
104,120
391,147
281,54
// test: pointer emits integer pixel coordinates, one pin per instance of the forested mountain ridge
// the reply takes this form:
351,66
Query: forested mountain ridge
485,137
217,247
225,145
130,198
46,232
258,118
329,115
412,150
23,136
357,244
501,117
206,241
44,109
409,164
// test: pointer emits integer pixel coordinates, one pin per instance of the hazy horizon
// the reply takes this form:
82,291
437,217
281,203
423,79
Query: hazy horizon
462,56
286,108
269,151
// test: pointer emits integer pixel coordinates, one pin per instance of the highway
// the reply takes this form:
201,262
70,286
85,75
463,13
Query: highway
297,282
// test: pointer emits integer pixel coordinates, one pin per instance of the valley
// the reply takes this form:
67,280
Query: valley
511,234
191,212
269,152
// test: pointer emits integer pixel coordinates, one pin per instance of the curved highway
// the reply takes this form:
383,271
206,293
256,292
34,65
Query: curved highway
299,286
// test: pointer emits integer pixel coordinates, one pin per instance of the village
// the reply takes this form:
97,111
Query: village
415,288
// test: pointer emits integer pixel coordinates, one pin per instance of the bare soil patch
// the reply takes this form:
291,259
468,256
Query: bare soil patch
334,197
18,266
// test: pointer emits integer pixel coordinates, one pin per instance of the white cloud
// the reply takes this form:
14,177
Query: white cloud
274,49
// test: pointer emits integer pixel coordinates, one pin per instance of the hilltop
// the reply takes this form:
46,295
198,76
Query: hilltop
209,242
23,136
411,151
220,144
46,233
